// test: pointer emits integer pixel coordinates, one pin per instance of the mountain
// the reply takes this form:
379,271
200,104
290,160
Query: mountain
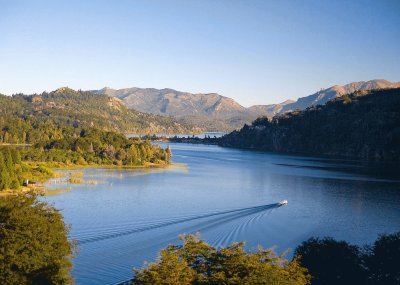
270,110
85,109
213,112
324,95
363,125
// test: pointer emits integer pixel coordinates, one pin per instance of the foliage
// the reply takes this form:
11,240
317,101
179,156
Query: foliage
331,262
11,171
361,125
92,146
34,248
337,262
382,259
196,262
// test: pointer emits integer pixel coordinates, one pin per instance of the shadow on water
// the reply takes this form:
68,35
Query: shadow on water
377,171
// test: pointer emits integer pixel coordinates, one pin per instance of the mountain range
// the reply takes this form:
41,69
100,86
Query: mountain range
211,112
214,112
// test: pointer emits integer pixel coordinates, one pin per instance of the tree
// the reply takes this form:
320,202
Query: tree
16,156
382,260
34,248
331,262
5,179
133,156
171,269
196,262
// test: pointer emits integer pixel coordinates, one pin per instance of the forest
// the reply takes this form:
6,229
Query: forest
31,142
362,125
316,261
37,149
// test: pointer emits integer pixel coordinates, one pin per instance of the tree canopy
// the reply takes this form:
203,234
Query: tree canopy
331,261
196,262
337,262
34,249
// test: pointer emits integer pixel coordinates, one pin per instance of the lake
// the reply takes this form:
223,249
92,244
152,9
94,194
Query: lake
126,216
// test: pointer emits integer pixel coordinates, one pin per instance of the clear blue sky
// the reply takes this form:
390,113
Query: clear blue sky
257,52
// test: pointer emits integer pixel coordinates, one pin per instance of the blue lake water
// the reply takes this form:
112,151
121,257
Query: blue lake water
227,195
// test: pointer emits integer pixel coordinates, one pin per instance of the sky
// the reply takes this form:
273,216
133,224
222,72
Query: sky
257,52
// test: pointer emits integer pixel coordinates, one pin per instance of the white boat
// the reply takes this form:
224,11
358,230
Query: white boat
283,202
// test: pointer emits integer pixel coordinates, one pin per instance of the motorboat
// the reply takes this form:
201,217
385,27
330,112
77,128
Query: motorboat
283,202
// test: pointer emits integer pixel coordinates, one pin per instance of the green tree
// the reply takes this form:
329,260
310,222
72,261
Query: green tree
34,248
196,262
170,269
5,179
16,156
8,160
133,156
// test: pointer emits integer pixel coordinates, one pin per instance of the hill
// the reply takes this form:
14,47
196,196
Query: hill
85,109
362,125
324,95
213,112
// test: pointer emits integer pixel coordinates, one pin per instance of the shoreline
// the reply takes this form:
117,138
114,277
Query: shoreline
39,187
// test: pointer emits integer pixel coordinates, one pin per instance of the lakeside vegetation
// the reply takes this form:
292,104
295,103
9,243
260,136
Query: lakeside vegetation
362,125
30,146
316,261
196,262
34,249
333,262
14,172
18,165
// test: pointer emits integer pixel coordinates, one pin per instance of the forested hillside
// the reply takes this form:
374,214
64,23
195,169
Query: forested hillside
363,125
31,144
85,109
68,128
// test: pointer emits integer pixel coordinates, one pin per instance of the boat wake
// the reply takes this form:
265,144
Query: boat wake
217,218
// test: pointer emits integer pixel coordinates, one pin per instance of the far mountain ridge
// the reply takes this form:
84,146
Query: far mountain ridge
209,111
324,95
214,112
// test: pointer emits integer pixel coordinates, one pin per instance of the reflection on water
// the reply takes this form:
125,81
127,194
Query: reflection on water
227,195
56,191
